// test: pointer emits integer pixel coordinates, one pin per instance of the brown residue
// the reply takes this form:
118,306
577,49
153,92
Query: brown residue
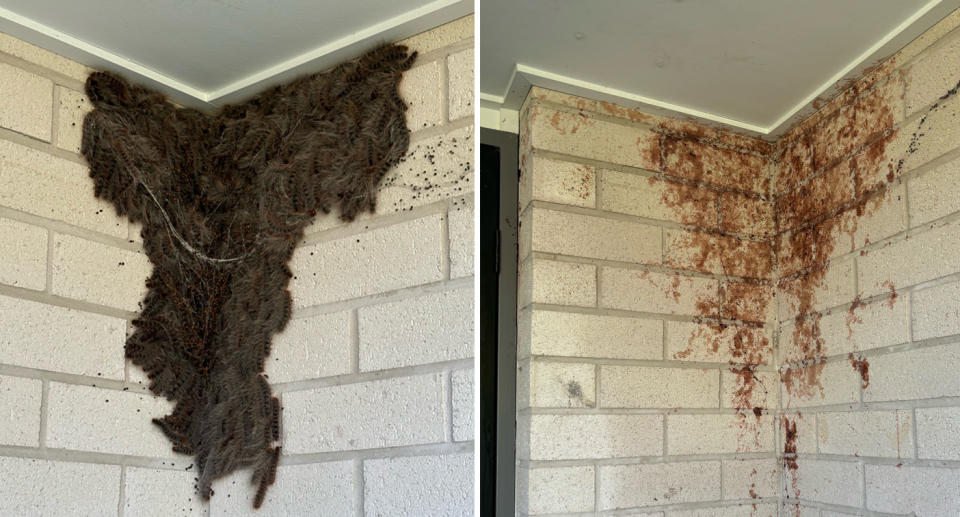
569,123
893,293
790,442
852,318
861,365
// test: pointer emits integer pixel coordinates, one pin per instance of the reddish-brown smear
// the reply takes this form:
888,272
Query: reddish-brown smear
863,367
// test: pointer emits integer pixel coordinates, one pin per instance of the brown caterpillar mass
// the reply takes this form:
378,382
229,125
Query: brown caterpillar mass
223,199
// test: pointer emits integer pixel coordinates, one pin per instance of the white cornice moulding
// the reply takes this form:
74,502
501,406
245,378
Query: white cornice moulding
524,77
408,24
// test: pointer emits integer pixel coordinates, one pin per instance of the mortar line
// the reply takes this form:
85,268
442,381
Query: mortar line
916,436
354,332
44,409
358,487
54,115
447,389
444,65
48,284
122,492
445,242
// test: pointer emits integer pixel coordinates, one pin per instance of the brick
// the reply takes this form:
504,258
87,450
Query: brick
806,435
296,487
649,291
366,415
750,479
920,490
867,433
590,335
27,104
557,181
820,195
798,510
937,437
878,324
428,486
72,107
689,341
823,289
461,238
425,329
807,482
647,196
625,486
760,392
462,386
561,385
380,260
697,161
594,237
747,301
460,85
545,95
650,387
915,374
719,434
569,437
795,164
738,510
97,273
936,311
38,56
433,169
932,75
310,348
745,214
23,255
442,36
81,343
837,382
421,89
58,189
578,134
20,406
99,420
80,488
563,283
924,256
717,254
555,490
932,193
145,491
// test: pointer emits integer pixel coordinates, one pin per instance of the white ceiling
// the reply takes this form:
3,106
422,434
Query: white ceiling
756,65
208,52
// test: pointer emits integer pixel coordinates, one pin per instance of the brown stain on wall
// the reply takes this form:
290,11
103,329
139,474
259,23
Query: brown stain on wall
861,366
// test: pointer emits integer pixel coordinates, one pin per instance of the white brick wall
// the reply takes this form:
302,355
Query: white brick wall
375,364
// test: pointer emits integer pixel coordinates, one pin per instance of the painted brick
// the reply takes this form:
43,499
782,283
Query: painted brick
867,433
594,237
738,510
27,103
697,161
554,490
843,488
564,283
591,335
798,510
649,291
425,329
149,491
762,391
936,311
719,434
461,238
689,341
937,437
58,189
106,275
933,193
75,488
649,387
385,413
806,426
569,437
20,407
100,420
426,486
834,288
433,169
38,56
377,261
898,264
626,486
795,164
23,255
837,383
421,88
820,195
747,301
462,386
81,343
438,37
881,323
646,196
580,135
460,71
311,347
545,95
717,254
921,490
71,109
296,488
744,214
562,385
750,479
558,181
932,75
914,374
